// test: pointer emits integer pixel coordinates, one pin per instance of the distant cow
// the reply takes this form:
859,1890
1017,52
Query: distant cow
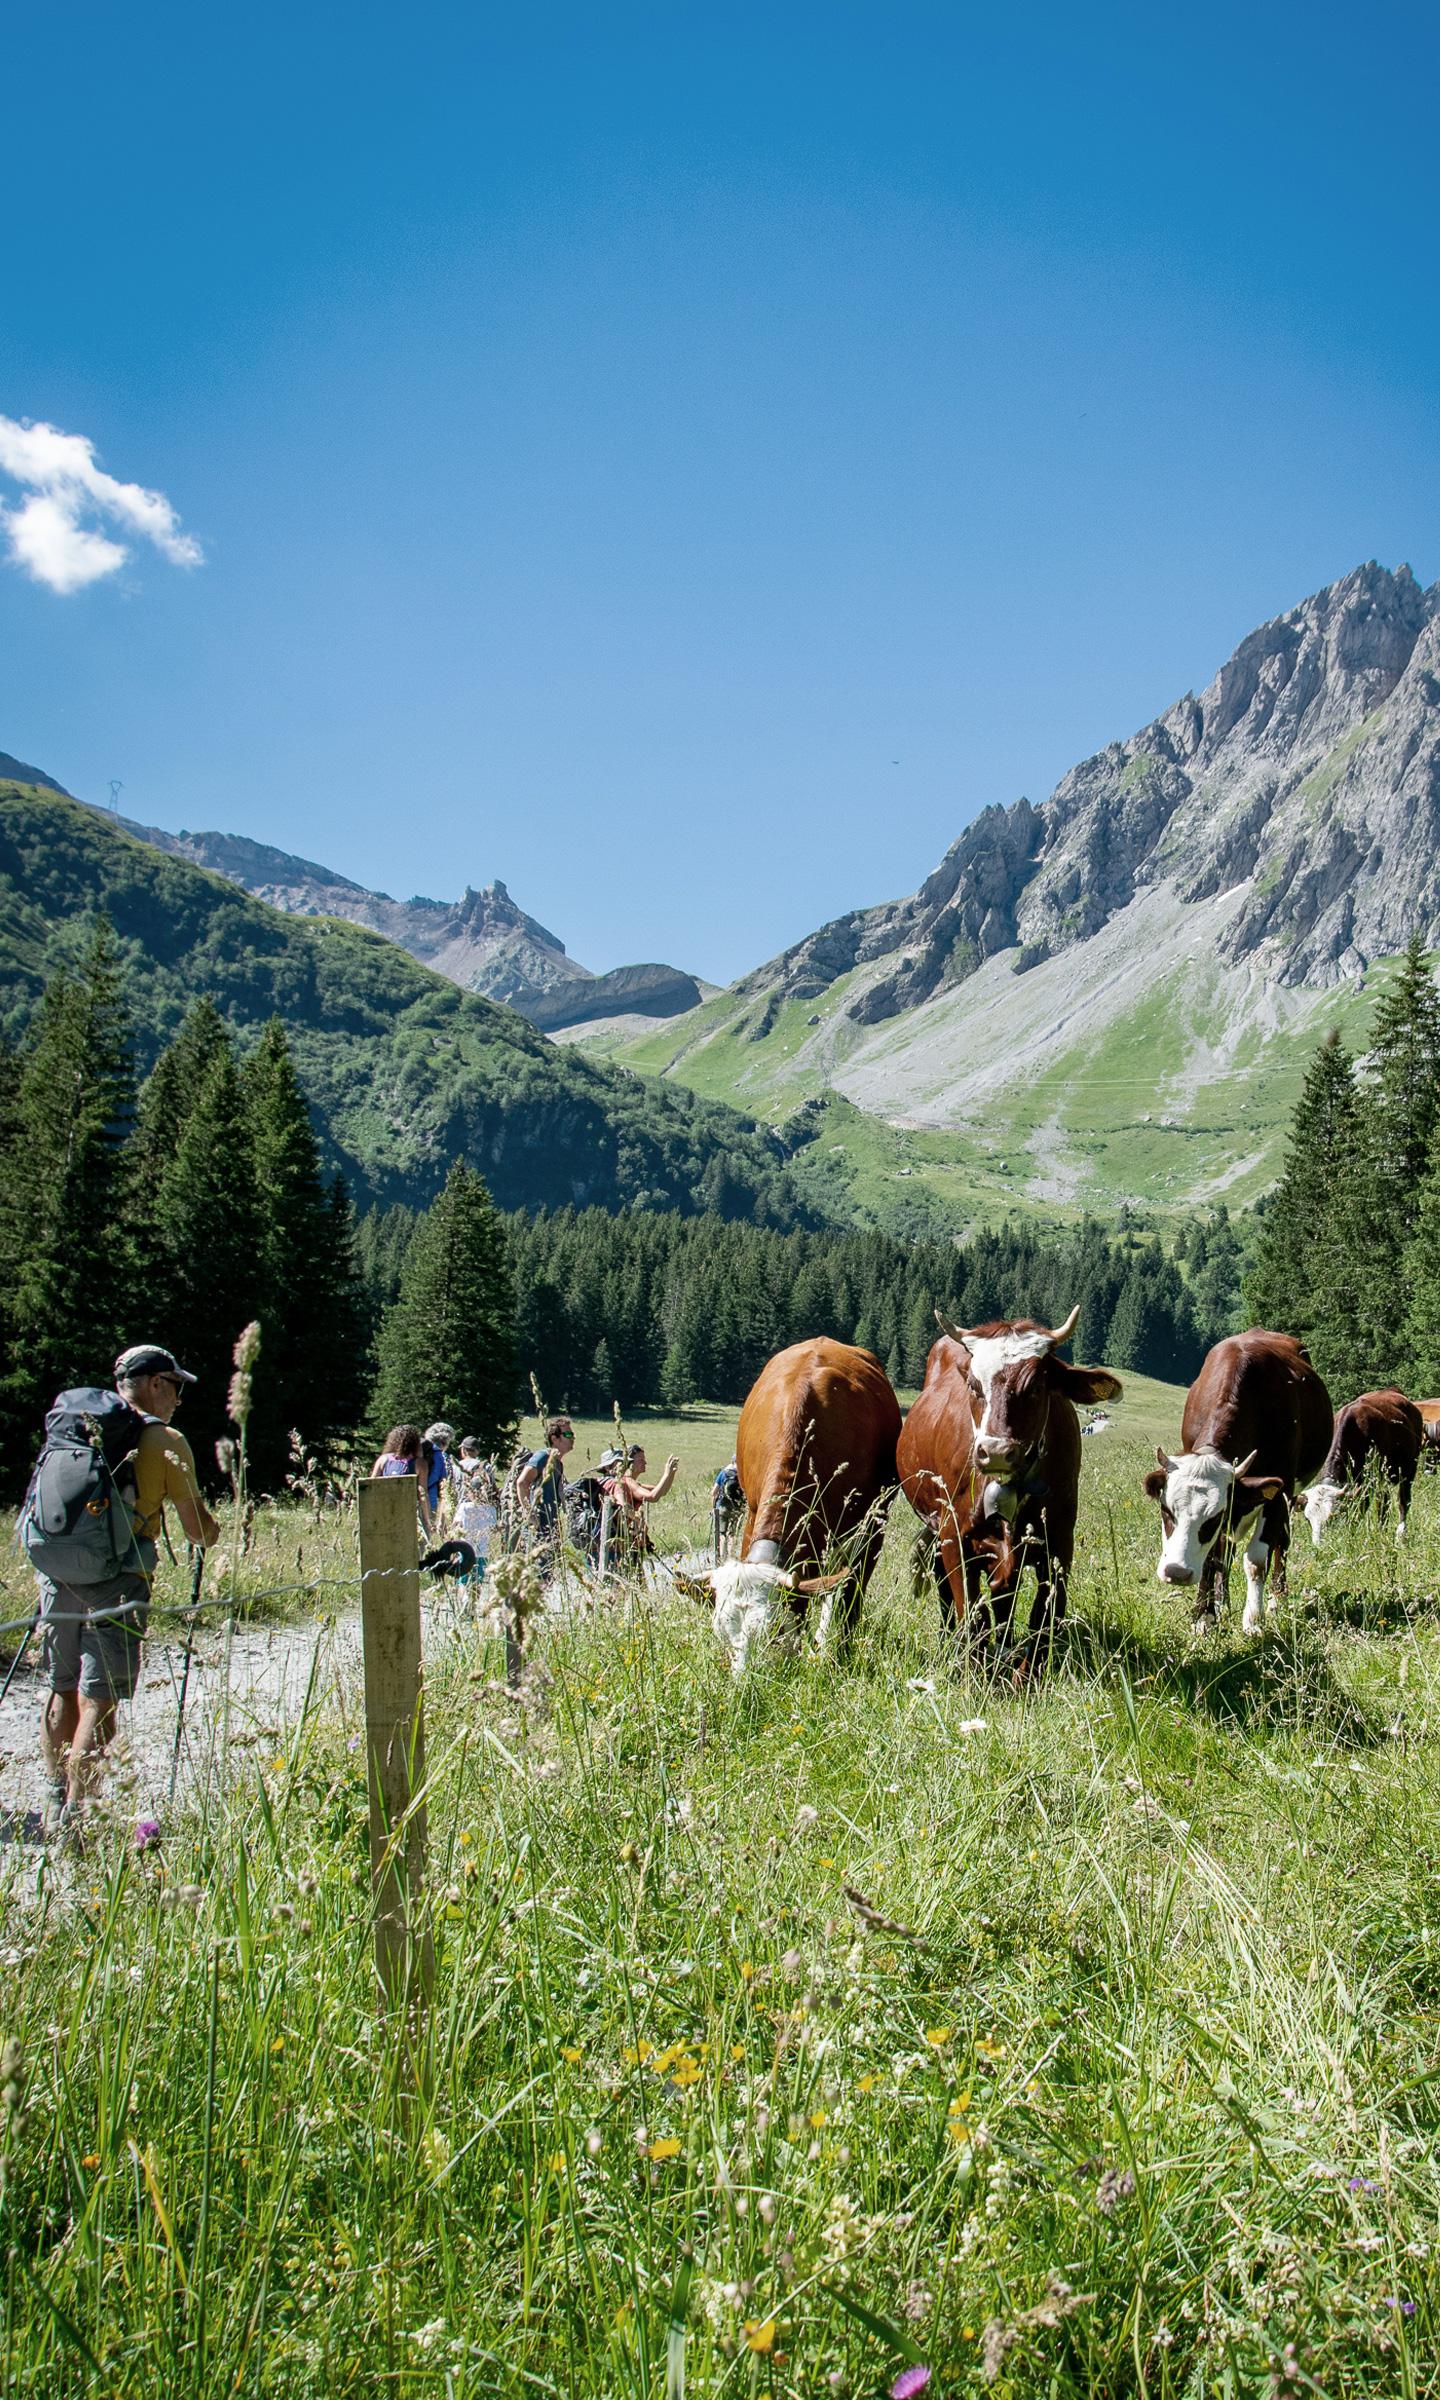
815,1455
1430,1420
1257,1423
1381,1425
990,1462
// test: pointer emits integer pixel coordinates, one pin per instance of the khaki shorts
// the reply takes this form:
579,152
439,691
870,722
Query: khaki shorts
92,1635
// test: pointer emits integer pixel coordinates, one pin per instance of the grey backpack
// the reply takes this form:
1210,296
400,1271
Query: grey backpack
77,1524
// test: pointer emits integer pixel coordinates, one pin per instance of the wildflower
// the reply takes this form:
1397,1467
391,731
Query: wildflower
866,2084
635,2053
688,2071
594,2142
1112,2189
908,2382
571,2054
666,2147
737,2049
760,2334
747,1972
805,1817
147,1833
971,1725
918,2302
1361,2183
937,2036
817,2119
92,2159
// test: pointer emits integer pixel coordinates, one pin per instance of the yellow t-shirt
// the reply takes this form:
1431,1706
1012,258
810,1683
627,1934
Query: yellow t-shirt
164,1470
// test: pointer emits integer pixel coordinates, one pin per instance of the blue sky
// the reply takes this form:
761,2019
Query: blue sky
686,462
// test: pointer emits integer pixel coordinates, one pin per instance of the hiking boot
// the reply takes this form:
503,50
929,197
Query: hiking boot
53,1811
72,1828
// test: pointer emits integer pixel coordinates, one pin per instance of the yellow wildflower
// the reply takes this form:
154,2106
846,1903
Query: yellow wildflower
866,2084
572,2054
666,2147
938,2035
760,2334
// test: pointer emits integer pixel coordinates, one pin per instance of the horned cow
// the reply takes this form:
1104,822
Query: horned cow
1257,1423
990,1461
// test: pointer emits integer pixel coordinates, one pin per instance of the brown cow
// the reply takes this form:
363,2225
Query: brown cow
1380,1425
1430,1422
990,1462
816,1458
1257,1424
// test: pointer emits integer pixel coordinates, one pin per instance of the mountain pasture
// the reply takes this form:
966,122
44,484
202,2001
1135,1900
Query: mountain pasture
1123,2077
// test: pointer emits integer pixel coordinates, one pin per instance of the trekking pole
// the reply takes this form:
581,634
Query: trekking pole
198,1569
14,1667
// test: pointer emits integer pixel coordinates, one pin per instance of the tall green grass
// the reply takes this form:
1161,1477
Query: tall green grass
1137,2094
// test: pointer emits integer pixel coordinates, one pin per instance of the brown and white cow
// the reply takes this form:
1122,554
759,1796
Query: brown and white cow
990,1461
816,1458
1384,1426
1257,1424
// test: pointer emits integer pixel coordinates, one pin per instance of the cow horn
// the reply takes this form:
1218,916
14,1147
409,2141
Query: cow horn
1246,1463
1163,1459
956,1332
1062,1333
821,1583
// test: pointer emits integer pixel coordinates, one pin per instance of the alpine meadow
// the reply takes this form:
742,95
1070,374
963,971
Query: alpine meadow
720,1206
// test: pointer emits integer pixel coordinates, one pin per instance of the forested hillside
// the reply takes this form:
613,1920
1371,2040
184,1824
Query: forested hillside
403,1071
649,1310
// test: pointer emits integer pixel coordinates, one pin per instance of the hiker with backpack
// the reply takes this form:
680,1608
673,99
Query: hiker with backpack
91,1525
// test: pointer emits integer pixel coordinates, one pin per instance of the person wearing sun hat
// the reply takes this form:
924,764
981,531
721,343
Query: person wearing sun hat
93,1631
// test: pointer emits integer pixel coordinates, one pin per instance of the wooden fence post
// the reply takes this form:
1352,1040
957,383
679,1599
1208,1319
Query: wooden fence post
394,1734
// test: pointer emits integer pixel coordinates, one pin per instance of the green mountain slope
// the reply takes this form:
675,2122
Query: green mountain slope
404,1071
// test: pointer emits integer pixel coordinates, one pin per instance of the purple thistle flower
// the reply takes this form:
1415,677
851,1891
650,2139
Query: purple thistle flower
908,2382
147,1833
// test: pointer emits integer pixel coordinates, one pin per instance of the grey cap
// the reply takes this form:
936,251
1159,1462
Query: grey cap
147,1358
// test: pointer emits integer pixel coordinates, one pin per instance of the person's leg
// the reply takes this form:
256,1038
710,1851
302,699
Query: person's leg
58,1728
109,1668
60,1613
93,1735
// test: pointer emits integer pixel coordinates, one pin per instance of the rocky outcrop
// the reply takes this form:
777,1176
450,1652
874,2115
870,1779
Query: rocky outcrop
1307,771
644,991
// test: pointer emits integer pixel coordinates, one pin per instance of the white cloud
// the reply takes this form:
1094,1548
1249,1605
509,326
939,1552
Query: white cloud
54,532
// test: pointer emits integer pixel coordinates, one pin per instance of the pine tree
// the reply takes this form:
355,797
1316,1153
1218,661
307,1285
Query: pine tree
1380,1203
1302,1281
66,1260
207,1279
312,1344
447,1347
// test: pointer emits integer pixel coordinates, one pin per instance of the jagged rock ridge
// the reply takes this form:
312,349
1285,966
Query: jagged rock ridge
483,941
1308,771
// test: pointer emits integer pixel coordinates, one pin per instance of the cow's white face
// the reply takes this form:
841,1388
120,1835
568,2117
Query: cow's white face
750,1596
1193,1509
990,1353
1321,1502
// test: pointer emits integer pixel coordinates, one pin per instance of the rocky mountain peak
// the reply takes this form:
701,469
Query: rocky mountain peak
1308,769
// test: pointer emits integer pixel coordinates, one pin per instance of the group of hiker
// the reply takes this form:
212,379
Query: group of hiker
461,1498
113,1460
